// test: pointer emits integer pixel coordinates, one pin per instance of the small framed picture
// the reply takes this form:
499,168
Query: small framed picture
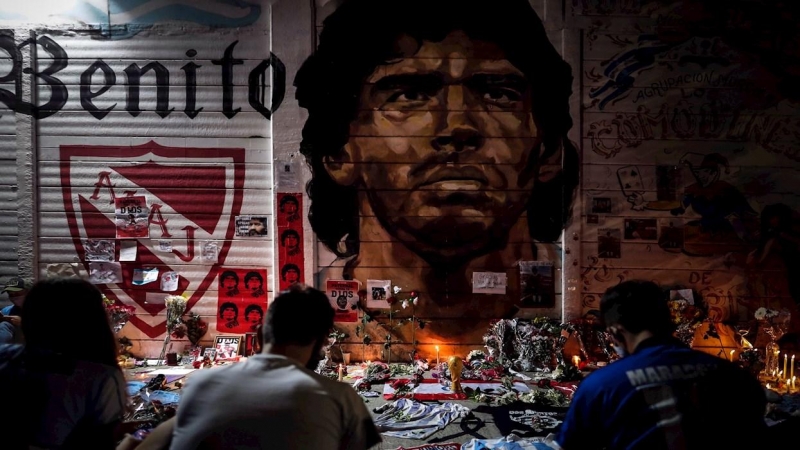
227,347
252,346
210,352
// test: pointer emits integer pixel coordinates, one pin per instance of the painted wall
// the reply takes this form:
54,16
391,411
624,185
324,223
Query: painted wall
431,157
690,128
167,101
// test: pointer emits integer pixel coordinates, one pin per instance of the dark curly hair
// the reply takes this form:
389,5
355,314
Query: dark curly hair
228,305
330,81
251,275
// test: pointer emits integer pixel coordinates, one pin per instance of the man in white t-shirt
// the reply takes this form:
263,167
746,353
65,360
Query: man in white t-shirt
275,400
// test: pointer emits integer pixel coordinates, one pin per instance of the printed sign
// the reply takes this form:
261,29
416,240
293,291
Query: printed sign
289,225
378,291
227,346
131,217
255,226
343,295
241,300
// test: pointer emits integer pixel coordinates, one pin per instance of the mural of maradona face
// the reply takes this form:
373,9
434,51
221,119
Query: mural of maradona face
439,151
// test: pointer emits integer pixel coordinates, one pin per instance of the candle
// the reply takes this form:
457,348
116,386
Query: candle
576,361
785,363
792,369
732,352
341,372
437,355
793,382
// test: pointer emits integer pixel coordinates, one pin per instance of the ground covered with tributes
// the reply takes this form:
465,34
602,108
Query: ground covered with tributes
513,395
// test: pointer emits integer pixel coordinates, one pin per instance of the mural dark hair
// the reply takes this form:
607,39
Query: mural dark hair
251,308
299,315
251,275
354,42
287,267
67,316
228,274
637,305
228,305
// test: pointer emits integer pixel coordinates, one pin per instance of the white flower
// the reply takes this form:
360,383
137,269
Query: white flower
761,313
416,299
404,304
396,290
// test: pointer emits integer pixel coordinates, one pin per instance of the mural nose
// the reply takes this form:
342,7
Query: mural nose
459,140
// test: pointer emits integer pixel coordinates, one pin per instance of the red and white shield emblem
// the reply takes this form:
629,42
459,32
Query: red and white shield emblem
194,195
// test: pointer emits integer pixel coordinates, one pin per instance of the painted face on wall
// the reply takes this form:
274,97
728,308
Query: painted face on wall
254,284
254,316
229,314
229,282
445,140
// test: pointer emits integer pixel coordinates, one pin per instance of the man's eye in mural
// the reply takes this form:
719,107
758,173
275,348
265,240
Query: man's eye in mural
408,89
503,90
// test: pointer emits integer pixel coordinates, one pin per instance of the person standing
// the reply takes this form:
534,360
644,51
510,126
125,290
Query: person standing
275,400
10,317
660,394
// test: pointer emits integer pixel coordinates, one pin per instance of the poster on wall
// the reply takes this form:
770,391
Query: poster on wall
641,229
343,295
131,217
241,299
290,239
608,243
537,284
253,226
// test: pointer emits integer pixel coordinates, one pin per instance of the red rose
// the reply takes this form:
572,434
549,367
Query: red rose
391,300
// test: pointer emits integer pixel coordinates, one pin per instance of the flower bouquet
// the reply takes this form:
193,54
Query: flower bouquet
687,318
118,314
176,307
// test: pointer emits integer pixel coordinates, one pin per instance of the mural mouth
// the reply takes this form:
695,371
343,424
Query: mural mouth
460,178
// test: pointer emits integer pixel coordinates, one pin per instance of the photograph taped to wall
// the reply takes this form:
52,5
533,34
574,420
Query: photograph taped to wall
601,205
641,229
105,272
489,282
254,226
128,248
99,249
671,236
227,347
537,284
609,243
131,217
378,291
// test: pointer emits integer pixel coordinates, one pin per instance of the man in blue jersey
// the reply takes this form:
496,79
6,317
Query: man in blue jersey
660,394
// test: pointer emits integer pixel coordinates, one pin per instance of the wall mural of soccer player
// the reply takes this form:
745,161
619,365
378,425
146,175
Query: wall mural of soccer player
440,150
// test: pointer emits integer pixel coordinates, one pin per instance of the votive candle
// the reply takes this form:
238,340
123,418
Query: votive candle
792,369
785,363
341,373
437,355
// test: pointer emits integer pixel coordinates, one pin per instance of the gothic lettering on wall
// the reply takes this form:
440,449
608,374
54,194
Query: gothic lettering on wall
99,77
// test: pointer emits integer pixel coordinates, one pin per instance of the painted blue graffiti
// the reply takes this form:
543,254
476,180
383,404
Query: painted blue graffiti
629,64
135,16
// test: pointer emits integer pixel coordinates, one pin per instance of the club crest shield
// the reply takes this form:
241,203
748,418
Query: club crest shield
193,195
